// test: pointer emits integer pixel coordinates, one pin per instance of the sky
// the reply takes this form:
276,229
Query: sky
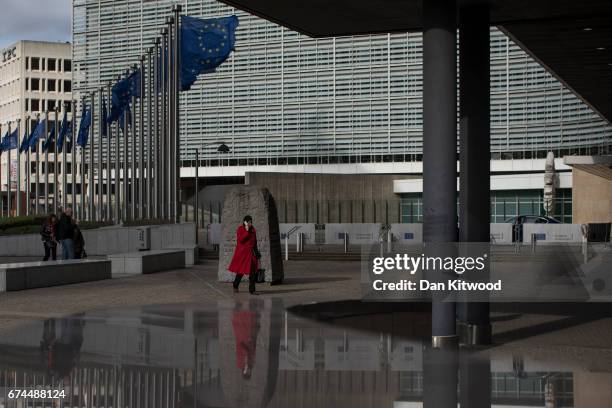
47,20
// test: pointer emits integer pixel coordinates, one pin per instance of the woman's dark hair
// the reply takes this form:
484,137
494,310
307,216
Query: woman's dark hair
247,218
51,216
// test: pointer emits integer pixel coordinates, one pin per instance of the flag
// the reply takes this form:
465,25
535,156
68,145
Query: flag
25,142
121,94
84,128
205,44
65,131
50,138
122,119
39,130
10,142
105,116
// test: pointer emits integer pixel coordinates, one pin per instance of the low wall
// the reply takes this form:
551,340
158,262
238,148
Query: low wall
106,241
553,233
501,233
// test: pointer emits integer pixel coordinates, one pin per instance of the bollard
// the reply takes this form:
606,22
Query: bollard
287,247
299,242
533,242
346,242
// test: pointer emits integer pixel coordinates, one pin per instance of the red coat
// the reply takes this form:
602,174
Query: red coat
244,261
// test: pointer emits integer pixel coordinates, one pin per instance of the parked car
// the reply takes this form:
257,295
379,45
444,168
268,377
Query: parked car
518,221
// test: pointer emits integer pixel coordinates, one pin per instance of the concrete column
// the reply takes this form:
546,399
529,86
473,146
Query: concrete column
440,143
474,184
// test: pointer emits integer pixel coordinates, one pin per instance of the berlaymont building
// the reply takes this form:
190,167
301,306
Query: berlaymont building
333,127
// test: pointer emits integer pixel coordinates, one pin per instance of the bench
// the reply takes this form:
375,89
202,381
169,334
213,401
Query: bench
144,262
191,253
30,275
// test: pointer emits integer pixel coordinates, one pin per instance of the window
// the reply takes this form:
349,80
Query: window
35,84
67,66
35,64
27,63
67,86
34,105
51,64
51,85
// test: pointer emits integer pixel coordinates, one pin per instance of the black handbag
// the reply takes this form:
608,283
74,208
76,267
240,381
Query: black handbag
261,275
256,253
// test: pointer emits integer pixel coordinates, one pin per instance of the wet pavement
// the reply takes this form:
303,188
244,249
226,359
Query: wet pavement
181,339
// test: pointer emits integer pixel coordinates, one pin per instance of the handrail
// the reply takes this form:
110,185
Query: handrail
292,230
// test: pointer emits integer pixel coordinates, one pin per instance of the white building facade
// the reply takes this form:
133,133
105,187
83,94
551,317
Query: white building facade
35,79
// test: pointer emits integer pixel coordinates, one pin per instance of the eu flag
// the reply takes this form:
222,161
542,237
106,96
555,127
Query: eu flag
50,138
205,44
11,141
84,128
38,133
65,130
121,93
127,112
25,142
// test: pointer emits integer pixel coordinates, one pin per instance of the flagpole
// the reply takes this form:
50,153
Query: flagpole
102,122
116,178
132,174
80,158
64,165
1,196
8,176
149,147
109,158
46,204
54,144
163,164
18,186
90,147
141,151
170,156
156,130
176,137
28,170
73,161
37,172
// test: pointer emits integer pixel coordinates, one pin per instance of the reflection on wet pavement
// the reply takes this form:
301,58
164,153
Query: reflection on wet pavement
256,353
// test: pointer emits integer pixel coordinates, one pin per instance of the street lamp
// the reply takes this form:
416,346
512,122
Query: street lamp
221,148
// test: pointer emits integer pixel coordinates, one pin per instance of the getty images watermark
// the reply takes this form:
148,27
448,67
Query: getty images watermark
480,272
411,265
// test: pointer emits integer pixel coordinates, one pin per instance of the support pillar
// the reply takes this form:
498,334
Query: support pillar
474,179
440,144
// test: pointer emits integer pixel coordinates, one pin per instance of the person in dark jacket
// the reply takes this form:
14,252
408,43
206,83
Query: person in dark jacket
79,242
47,234
65,234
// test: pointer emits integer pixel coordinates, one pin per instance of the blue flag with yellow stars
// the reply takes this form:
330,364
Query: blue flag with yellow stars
105,116
84,128
25,142
37,134
121,94
205,44
11,141
65,132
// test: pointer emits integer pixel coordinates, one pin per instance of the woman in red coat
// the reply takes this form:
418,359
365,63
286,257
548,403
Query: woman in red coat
244,261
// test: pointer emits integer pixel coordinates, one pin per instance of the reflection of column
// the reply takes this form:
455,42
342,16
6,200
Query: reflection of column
440,376
475,380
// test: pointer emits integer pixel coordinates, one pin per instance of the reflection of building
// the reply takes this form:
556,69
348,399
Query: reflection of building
156,356
35,78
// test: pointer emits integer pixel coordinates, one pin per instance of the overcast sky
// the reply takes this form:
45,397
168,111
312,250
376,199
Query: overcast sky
47,20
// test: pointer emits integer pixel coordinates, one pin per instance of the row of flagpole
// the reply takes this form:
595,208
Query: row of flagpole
137,176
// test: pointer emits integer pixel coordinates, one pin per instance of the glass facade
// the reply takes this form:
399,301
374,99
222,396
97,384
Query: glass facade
284,98
504,204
